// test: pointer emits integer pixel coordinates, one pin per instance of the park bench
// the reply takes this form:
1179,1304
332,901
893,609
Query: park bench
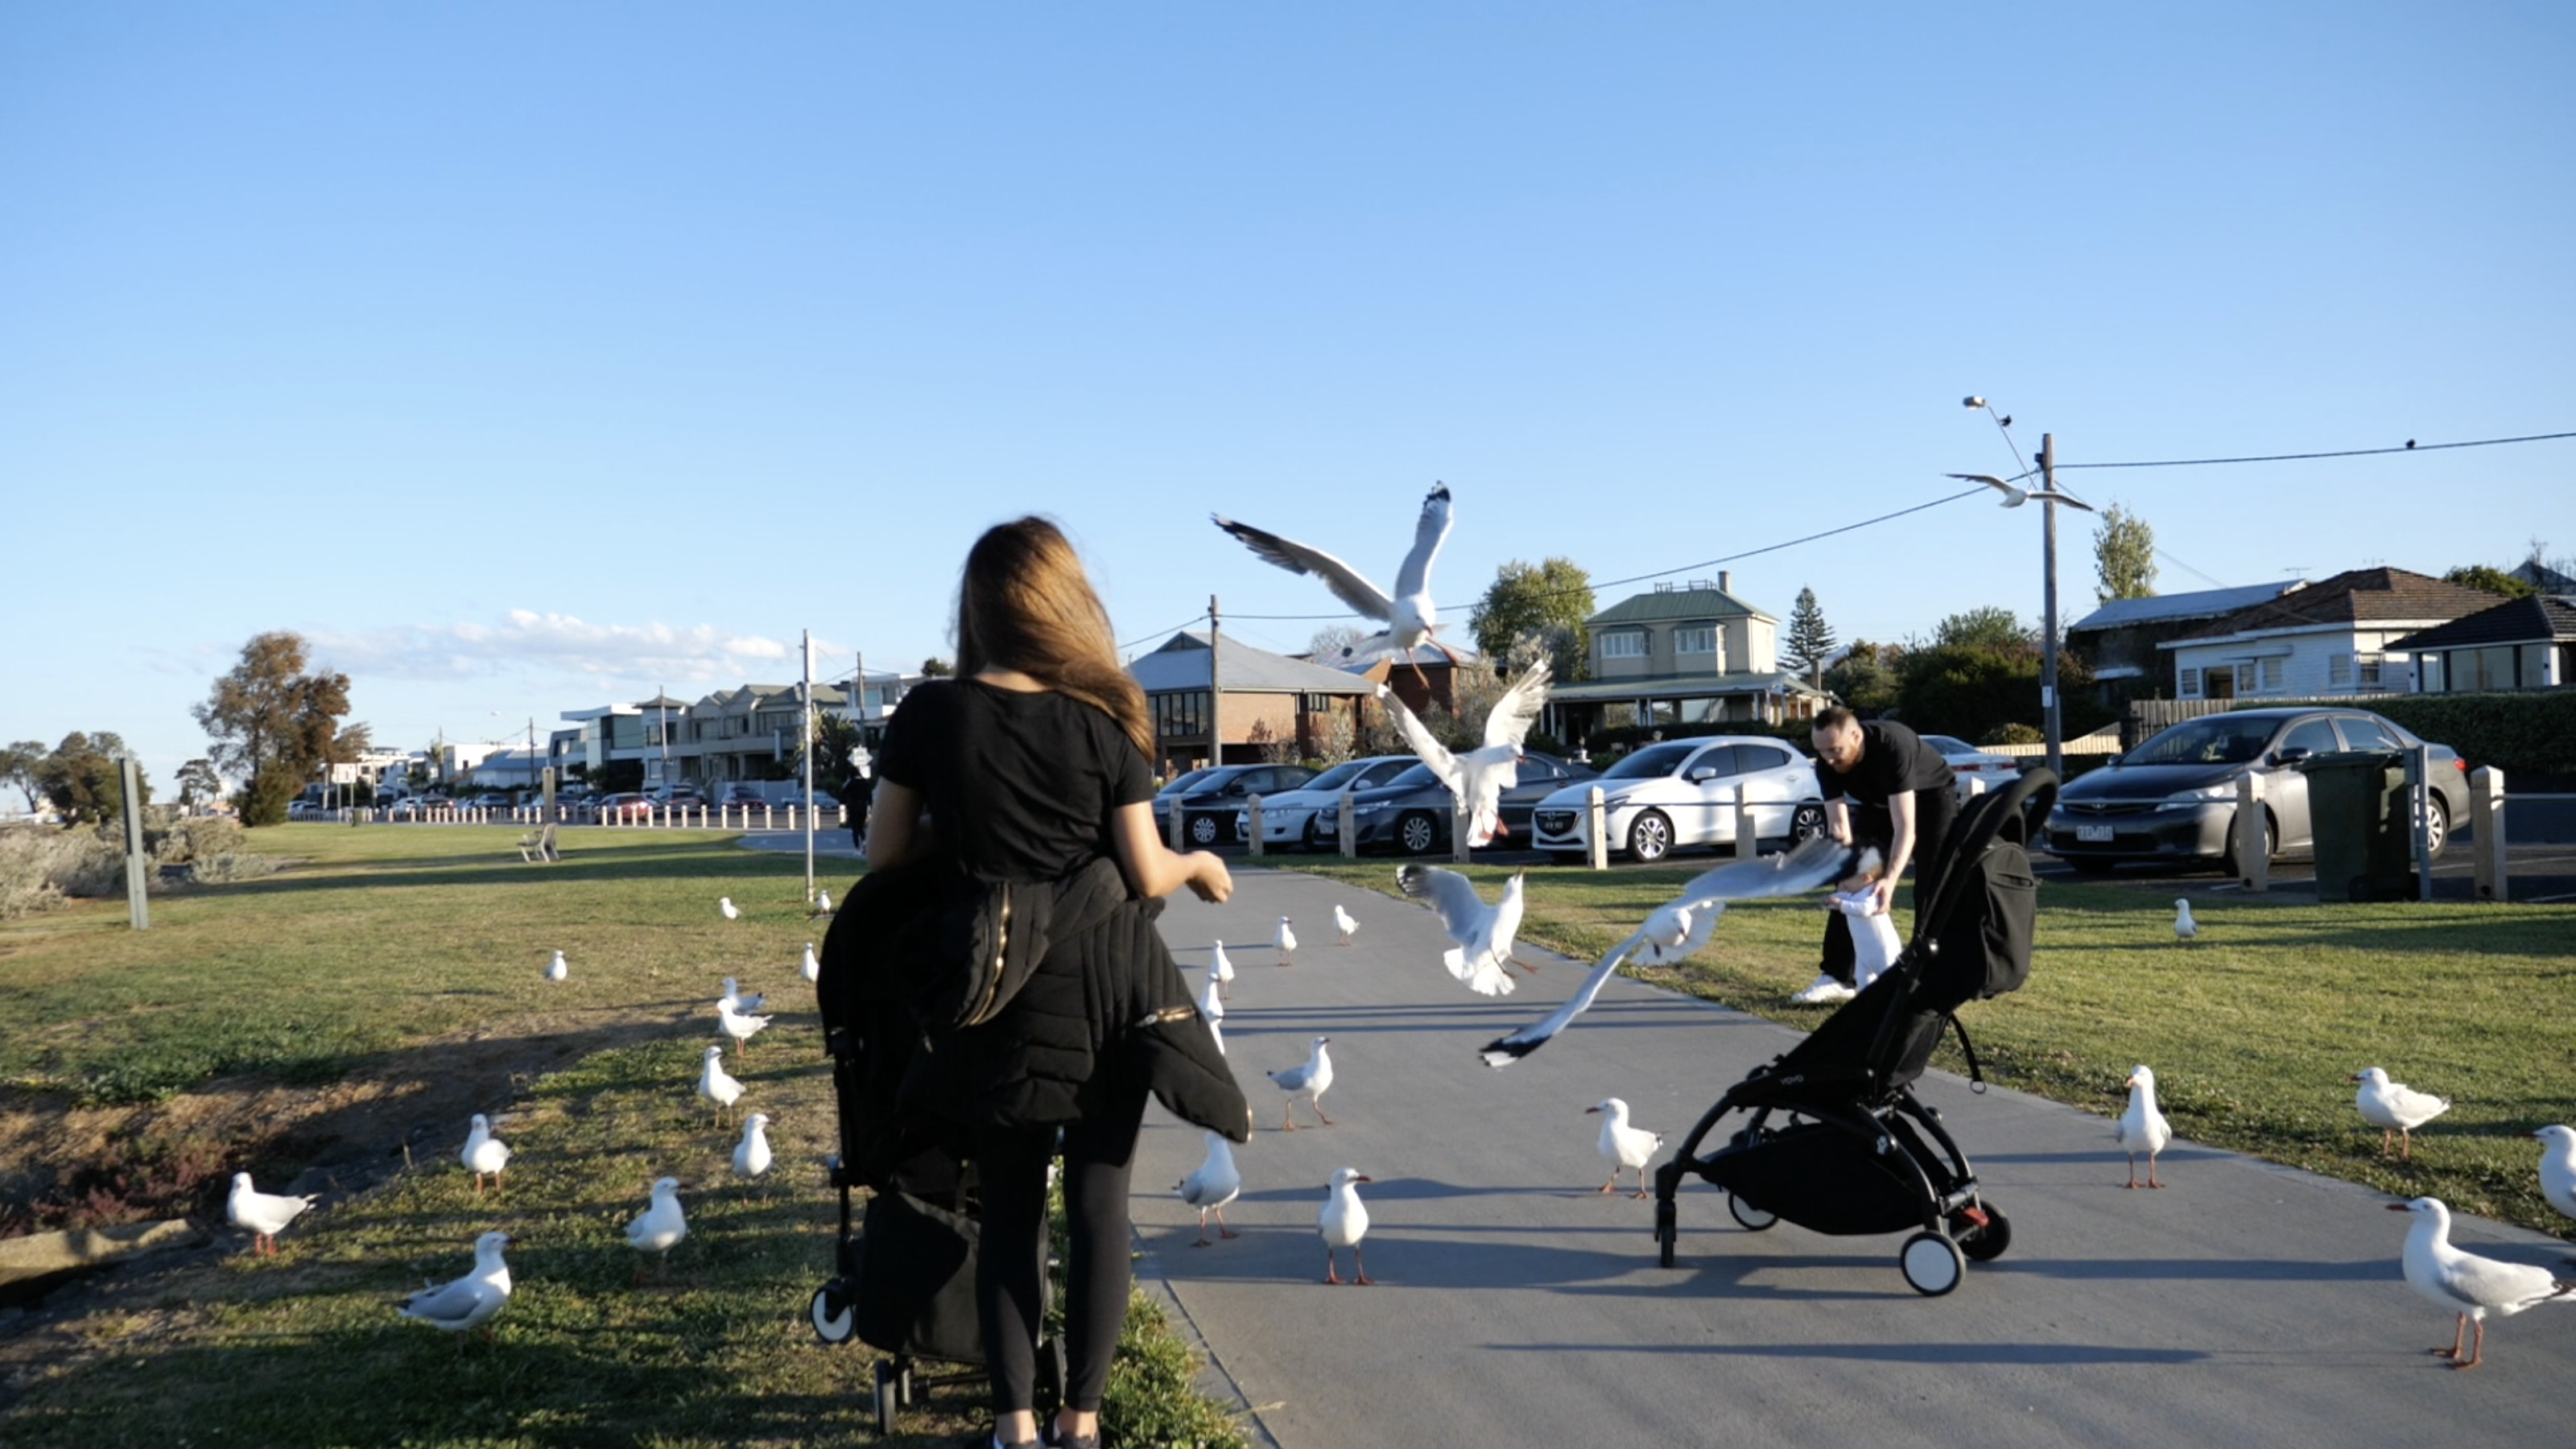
539,845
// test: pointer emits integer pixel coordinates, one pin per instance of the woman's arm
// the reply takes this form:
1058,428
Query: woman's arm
1152,869
896,830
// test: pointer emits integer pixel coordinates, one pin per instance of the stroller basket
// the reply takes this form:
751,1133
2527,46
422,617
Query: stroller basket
1833,1138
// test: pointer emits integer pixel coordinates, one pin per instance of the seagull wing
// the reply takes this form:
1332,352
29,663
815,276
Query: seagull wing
1297,558
1428,531
1433,753
1703,924
1509,721
1452,895
2511,1287
1815,863
1503,1051
448,1303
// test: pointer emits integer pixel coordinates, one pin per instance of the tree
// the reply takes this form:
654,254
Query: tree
1811,639
80,778
273,724
1866,677
1990,628
1332,642
199,784
2124,556
1546,604
937,668
2493,580
18,764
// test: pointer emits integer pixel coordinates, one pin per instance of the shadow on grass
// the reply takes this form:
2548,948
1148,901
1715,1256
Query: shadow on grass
643,861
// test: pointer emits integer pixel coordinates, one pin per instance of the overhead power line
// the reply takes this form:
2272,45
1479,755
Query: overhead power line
2410,447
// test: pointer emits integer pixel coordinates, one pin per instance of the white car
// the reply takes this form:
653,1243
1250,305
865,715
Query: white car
1309,815
1972,768
1684,792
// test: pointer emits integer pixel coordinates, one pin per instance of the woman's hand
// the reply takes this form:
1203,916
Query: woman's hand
1210,881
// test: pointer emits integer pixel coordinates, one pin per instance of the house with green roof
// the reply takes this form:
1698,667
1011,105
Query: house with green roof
1690,653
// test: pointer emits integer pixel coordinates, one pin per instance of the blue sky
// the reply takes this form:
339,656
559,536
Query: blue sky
525,357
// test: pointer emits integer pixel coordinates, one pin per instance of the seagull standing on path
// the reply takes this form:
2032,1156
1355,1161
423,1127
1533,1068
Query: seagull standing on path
1209,1189
1344,1222
1483,933
717,1087
660,1227
1286,941
738,1026
2558,1167
467,1302
485,1155
1343,923
556,970
1212,1006
731,912
751,1155
2185,928
1410,616
265,1214
1478,778
1681,927
1310,1082
1624,1145
1221,968
2394,1107
2467,1284
810,968
2142,1128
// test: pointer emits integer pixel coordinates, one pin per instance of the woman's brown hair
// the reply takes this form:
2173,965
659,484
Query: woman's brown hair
1026,604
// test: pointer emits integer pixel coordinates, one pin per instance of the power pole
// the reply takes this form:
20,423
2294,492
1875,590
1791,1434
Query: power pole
805,752
2048,611
1216,692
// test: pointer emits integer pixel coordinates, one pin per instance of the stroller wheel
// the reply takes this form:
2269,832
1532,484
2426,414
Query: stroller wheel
886,1395
1933,1265
834,1323
1986,1244
1753,1219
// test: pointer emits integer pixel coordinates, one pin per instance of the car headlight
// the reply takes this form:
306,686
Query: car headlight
1370,808
2194,799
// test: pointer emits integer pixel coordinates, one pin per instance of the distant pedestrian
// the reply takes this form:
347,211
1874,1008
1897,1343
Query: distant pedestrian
1883,787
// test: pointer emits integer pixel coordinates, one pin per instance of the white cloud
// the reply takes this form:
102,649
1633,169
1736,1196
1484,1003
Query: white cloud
529,642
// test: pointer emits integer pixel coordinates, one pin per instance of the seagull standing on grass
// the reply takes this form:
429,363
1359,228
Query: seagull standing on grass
660,1227
1344,1222
1343,923
715,1086
1624,1145
265,1214
1478,778
2394,1107
2558,1167
485,1155
1221,968
1209,1189
2469,1285
751,1154
822,904
1286,941
1483,933
1677,929
556,970
2142,1128
1212,1006
810,968
731,911
1310,1082
1410,616
467,1302
738,1026
2185,928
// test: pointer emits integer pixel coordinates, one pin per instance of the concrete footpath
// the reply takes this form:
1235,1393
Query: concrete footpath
1515,1305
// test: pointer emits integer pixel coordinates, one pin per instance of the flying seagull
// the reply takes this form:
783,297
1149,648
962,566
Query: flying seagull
1478,778
1483,933
1410,618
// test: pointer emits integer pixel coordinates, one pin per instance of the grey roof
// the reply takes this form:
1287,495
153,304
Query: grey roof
1663,604
1683,686
1182,663
2515,621
2206,603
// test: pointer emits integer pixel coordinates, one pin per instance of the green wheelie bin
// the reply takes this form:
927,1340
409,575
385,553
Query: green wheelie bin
2358,817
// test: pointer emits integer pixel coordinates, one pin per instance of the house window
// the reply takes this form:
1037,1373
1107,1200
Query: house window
2245,677
2272,675
2187,683
2339,671
2429,673
1695,639
2367,666
1626,644
1181,713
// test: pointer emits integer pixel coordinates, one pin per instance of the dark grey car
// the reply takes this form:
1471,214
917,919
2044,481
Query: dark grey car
2173,798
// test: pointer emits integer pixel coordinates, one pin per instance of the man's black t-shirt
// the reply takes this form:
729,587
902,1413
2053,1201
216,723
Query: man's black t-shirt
1893,761
1020,786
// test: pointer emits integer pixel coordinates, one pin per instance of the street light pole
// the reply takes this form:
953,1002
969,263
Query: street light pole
2048,610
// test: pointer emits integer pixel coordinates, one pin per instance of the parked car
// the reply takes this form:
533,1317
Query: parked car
628,806
1209,803
683,797
2173,798
1310,815
489,800
306,810
1970,765
737,796
1414,813
1684,792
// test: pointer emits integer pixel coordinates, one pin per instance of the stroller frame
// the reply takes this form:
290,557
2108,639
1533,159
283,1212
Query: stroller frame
1854,1150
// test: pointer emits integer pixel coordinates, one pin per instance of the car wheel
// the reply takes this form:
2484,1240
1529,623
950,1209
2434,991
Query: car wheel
2271,844
1417,832
1315,833
1806,824
1650,836
1202,830
2437,827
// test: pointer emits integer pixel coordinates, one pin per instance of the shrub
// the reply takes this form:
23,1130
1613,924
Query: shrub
229,866
2014,734
39,866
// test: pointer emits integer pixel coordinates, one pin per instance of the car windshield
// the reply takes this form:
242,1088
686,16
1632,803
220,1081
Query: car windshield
1336,777
1412,779
1652,760
2217,740
1185,782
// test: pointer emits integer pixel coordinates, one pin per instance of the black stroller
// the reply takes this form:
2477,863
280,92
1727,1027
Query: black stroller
905,1281
1834,1139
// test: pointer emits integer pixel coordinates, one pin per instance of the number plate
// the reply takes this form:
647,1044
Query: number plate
2101,833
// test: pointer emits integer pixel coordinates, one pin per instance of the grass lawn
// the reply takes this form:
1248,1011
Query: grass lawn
410,957
2253,1030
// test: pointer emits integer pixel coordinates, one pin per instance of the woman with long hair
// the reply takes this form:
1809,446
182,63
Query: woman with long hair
1029,768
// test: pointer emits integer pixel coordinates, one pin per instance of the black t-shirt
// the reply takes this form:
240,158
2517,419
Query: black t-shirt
1893,761
1020,786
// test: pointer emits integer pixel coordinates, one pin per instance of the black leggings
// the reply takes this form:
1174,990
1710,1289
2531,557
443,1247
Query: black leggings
1010,1267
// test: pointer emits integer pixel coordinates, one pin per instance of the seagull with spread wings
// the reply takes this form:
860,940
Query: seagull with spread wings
1478,778
1682,925
1409,616
1483,933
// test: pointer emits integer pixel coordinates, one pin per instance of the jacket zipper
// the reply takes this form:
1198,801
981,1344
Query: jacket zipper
1001,946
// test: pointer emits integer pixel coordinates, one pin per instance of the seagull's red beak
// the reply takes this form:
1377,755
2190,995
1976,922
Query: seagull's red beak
2399,1207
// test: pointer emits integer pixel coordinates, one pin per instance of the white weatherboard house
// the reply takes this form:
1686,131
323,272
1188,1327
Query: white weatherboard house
2321,640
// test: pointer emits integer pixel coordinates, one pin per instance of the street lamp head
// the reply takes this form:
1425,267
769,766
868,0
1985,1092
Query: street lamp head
2013,497
1972,402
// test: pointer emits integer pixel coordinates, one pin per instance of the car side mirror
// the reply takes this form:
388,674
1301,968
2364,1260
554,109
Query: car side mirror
2291,755
1703,774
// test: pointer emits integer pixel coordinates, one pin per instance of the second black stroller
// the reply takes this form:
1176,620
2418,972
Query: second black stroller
1833,1138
